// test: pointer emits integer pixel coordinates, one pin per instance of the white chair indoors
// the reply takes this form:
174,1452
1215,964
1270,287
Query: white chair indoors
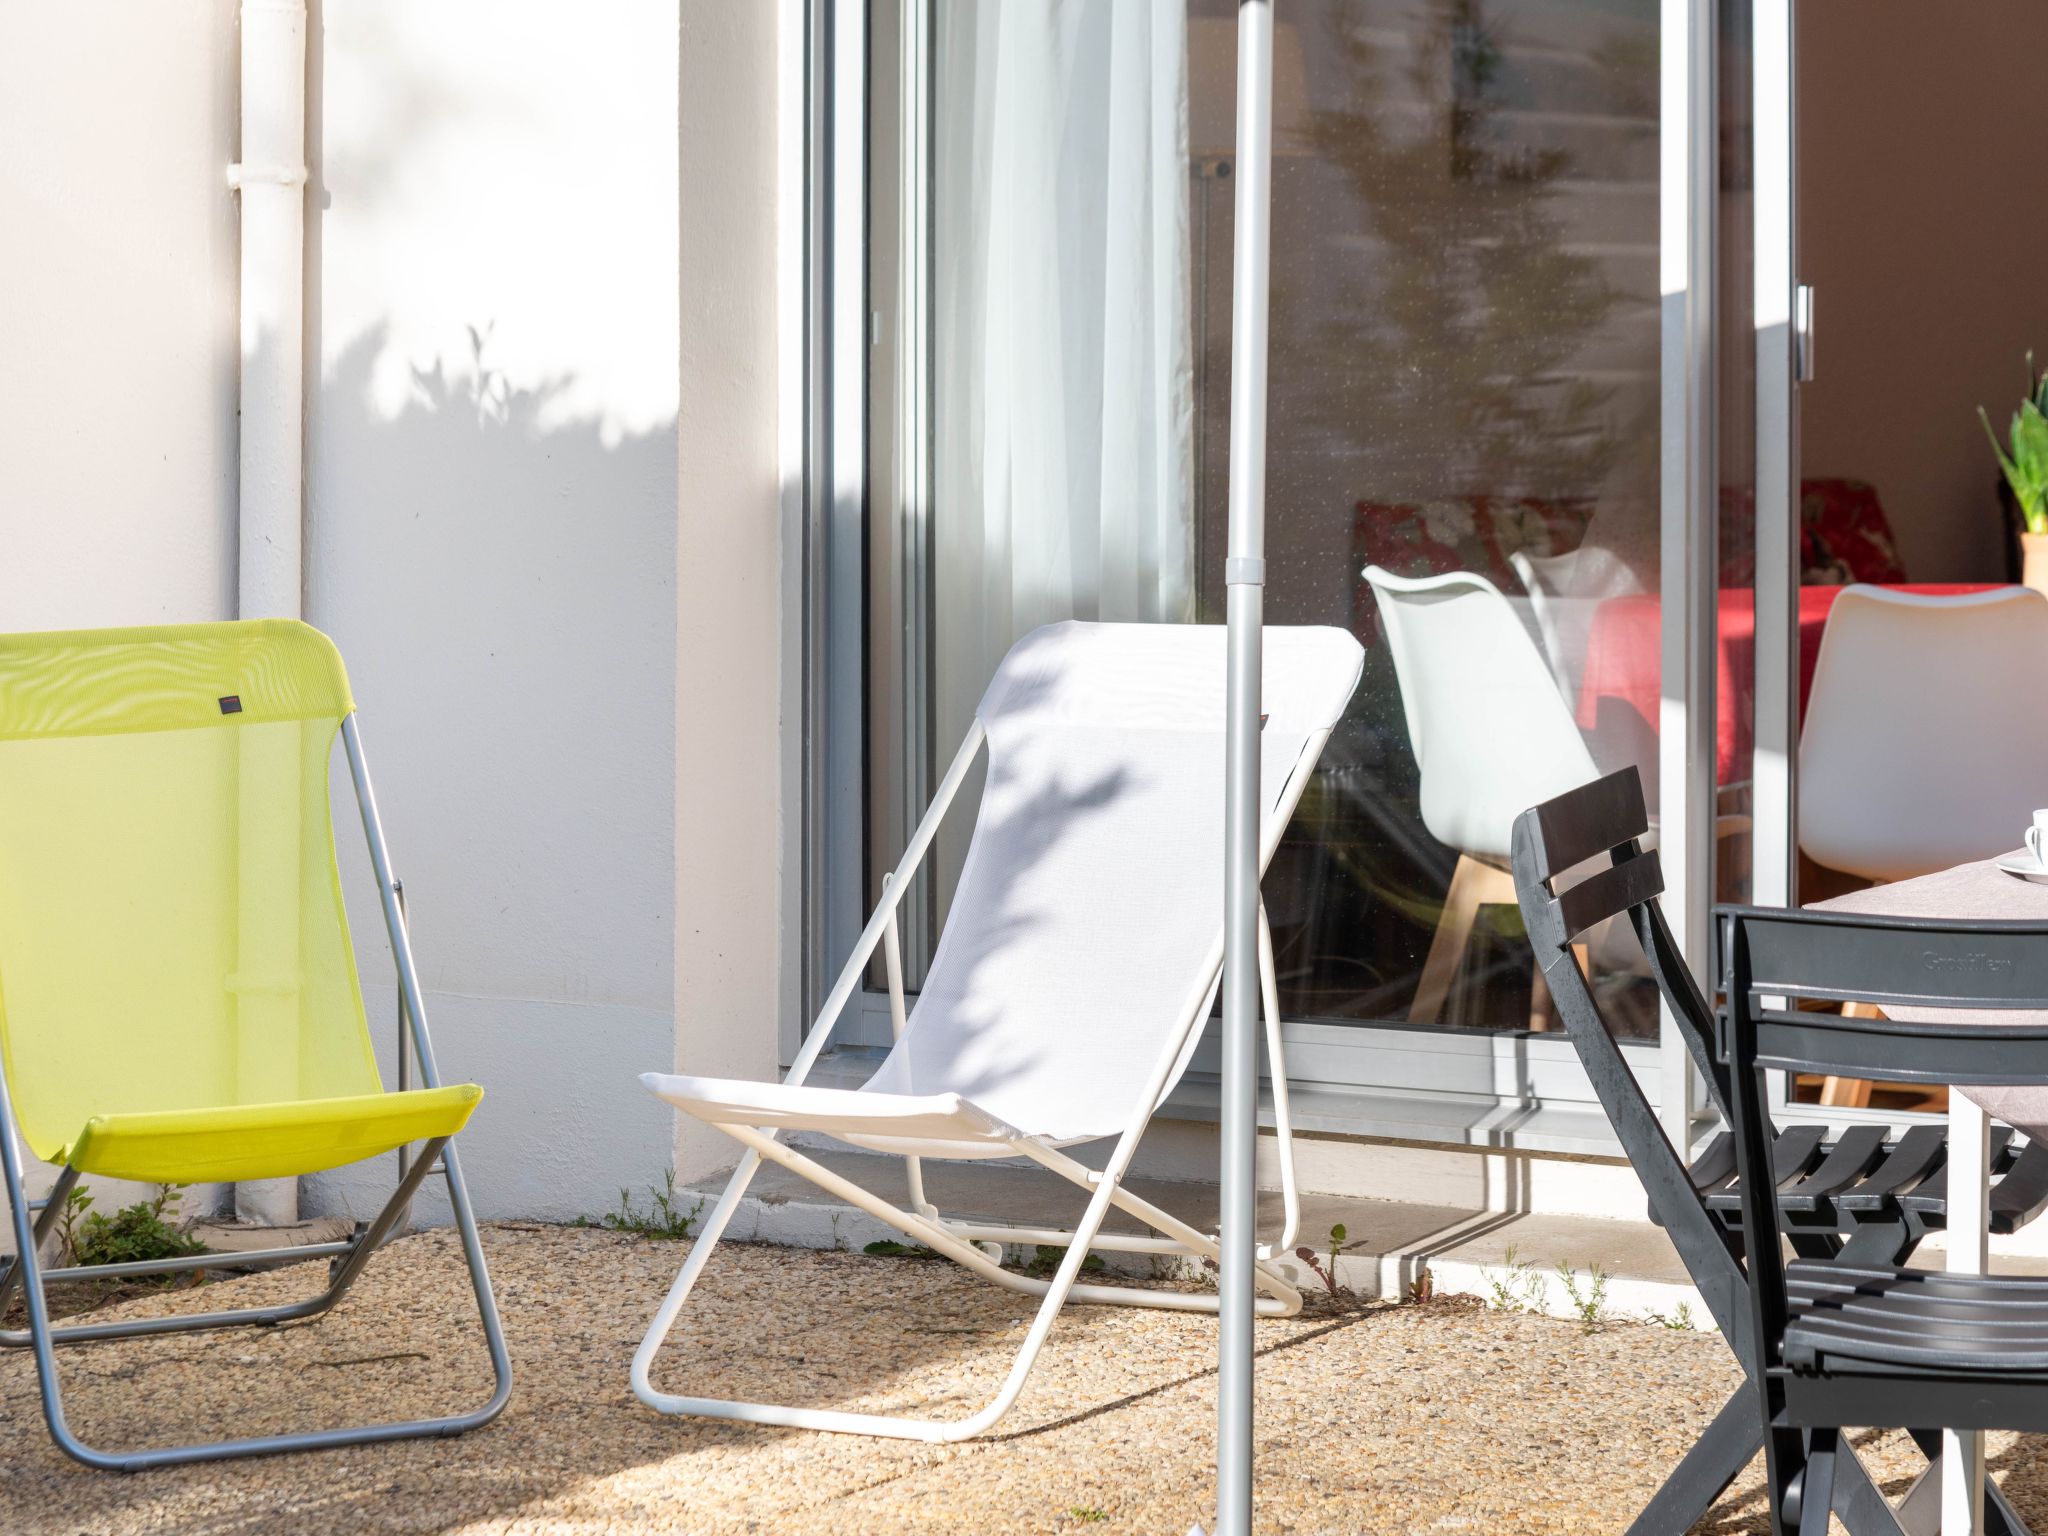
1492,737
1925,742
1564,591
1080,958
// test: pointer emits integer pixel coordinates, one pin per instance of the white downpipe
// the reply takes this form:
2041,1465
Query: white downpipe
271,178
272,181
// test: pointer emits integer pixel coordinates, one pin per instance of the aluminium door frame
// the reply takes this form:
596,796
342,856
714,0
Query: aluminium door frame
1688,188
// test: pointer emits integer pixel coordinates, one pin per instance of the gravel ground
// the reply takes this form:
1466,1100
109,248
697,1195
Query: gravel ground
1372,1418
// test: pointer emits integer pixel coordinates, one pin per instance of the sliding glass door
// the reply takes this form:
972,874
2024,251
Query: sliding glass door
1475,389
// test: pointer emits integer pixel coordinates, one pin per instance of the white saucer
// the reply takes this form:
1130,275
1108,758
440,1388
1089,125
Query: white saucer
2026,866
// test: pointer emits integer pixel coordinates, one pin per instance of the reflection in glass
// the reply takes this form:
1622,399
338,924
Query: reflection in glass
1464,395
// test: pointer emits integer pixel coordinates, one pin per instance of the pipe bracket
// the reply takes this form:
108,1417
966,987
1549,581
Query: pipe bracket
240,176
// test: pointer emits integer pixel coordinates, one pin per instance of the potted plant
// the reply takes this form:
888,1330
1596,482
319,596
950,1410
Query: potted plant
2026,473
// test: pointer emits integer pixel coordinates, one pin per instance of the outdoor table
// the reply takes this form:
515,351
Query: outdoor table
1625,670
1982,892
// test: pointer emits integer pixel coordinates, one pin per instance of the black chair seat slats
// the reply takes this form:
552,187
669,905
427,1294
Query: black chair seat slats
1932,1193
1922,1150
1793,1156
1842,1318
1845,1163
1864,1176
1714,1168
2022,1194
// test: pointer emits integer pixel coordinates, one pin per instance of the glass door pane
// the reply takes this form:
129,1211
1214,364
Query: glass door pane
1463,426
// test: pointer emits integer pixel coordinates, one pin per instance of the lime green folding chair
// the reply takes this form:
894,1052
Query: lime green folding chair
178,995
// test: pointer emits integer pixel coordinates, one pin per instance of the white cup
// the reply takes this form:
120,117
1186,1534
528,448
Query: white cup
2037,838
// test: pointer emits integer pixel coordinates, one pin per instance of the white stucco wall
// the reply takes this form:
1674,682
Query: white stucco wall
117,321
498,322
491,537
117,313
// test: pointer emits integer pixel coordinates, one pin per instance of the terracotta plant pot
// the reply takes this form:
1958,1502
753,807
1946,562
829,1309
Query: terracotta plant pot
2034,561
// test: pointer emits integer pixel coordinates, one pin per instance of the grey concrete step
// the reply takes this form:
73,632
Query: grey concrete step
1506,1258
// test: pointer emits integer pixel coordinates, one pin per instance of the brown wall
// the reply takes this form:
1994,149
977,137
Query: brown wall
1925,232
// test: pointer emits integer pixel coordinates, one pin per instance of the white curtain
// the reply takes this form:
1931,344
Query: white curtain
1063,407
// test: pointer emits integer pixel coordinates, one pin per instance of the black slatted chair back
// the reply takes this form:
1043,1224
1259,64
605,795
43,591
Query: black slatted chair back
1579,861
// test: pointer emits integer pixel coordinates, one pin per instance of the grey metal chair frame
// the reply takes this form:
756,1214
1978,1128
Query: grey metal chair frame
1840,1342
33,1223
1862,1198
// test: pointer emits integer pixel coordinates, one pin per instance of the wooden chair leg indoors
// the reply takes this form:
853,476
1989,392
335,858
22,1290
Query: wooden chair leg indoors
1474,884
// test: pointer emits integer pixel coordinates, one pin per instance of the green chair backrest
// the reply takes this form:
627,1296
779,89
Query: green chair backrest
171,926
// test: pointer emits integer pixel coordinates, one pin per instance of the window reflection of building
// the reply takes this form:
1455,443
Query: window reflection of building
1465,353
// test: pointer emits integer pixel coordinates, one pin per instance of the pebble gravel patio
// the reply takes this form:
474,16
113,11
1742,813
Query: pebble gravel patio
1372,1417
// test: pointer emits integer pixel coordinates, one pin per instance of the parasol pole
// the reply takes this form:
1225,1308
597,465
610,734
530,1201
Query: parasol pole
1244,578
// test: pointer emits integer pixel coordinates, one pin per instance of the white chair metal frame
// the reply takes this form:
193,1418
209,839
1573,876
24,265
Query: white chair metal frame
978,1246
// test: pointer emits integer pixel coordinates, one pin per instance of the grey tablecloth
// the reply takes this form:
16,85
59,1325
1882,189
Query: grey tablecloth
1980,891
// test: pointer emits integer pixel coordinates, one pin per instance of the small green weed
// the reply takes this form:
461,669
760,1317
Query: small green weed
132,1235
1170,1267
1328,1275
664,1219
1517,1286
1087,1514
1678,1321
1589,1303
1047,1258
76,1204
887,1248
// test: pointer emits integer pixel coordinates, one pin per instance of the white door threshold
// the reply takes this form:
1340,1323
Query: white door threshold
1500,1257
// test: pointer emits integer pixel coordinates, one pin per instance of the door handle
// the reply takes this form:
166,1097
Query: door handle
1802,333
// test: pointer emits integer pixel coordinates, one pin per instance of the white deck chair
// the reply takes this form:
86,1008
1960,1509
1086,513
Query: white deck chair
1081,956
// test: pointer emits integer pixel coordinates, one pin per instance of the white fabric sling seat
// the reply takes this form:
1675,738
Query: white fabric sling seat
1081,954
912,1124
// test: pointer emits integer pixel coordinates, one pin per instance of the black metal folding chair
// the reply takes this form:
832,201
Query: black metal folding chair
1861,1199
1846,1341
